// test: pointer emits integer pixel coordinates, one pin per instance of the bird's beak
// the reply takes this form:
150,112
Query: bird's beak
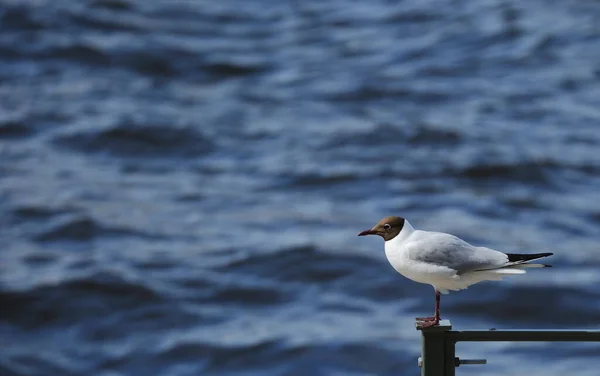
367,232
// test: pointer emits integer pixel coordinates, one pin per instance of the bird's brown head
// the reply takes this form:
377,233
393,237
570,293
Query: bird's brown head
388,228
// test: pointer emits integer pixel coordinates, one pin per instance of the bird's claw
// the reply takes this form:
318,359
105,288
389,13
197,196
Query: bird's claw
427,324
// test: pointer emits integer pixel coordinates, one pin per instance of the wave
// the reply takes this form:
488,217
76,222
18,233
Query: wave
232,69
116,5
353,275
318,179
35,212
81,228
131,139
521,171
384,134
268,356
75,299
305,264
14,129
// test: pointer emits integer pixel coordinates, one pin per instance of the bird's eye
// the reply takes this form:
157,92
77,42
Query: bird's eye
387,226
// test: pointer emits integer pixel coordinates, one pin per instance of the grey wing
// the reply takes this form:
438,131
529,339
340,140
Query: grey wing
448,250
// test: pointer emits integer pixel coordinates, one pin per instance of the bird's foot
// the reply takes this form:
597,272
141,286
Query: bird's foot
428,324
426,319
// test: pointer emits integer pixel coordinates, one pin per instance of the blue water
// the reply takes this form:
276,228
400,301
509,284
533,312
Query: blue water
182,183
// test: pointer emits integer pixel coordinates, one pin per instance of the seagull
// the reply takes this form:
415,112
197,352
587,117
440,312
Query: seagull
444,261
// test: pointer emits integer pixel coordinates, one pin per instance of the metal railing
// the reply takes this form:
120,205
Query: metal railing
438,354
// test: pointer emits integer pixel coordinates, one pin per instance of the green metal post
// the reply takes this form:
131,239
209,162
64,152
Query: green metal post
449,356
437,354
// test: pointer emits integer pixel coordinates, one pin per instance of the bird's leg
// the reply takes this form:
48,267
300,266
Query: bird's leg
426,322
436,310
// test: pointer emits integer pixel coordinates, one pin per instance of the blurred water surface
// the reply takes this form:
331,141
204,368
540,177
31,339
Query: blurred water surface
182,182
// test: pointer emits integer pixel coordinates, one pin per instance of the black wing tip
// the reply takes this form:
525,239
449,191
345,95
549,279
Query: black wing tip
515,257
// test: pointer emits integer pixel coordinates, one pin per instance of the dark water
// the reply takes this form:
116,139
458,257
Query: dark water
182,182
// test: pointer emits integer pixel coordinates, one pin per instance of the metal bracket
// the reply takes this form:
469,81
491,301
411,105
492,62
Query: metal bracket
458,361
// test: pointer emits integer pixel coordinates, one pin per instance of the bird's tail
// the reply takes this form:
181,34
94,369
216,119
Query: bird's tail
521,261
517,262
515,265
